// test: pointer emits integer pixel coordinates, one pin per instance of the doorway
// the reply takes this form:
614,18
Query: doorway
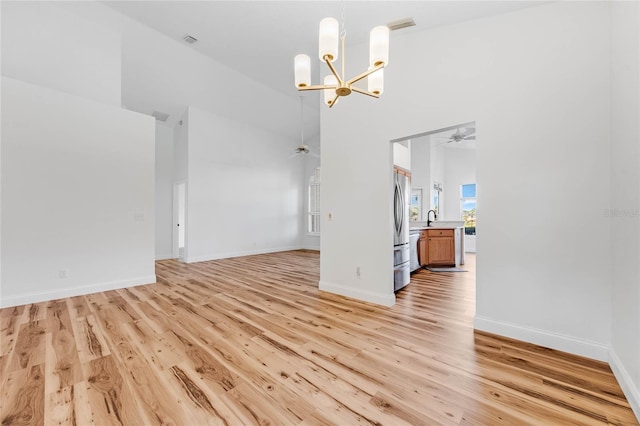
443,180
179,219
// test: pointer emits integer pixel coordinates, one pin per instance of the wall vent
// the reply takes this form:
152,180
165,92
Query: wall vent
401,23
190,39
160,116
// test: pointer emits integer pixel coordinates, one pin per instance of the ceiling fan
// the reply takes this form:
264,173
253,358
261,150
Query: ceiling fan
467,135
302,148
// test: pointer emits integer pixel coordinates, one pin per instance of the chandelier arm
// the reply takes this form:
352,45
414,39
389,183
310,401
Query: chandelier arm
333,102
318,87
364,92
364,74
333,71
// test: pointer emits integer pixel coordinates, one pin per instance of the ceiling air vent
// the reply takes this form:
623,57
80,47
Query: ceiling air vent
160,116
190,39
401,23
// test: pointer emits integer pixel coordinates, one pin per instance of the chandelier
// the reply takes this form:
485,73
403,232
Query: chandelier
335,85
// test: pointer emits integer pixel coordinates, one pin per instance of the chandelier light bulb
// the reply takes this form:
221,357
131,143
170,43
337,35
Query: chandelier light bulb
379,46
329,94
375,82
336,85
328,39
302,68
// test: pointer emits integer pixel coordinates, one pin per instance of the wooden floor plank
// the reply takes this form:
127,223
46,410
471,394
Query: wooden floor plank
23,397
110,397
252,340
29,349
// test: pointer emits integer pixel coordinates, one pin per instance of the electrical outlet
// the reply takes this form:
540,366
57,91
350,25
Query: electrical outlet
63,273
138,217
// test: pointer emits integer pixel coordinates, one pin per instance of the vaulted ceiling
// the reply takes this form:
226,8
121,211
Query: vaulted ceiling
260,39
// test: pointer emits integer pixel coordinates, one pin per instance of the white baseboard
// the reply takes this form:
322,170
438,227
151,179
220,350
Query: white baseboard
544,338
36,297
367,296
226,255
630,389
165,256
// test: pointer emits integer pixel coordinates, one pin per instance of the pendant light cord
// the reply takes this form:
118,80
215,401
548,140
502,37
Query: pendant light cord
343,33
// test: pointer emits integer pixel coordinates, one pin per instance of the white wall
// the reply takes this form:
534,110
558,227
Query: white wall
459,169
357,181
437,176
49,45
77,195
180,167
243,194
402,155
624,212
193,79
421,170
190,78
309,242
553,83
180,136
164,191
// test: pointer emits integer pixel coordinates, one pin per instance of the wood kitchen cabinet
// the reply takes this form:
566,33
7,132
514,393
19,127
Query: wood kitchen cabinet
437,247
423,249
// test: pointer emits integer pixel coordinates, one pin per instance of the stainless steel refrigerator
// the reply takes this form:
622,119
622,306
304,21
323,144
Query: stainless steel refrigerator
401,251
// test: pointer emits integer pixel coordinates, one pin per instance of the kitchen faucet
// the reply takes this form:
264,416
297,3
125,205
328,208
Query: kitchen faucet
435,217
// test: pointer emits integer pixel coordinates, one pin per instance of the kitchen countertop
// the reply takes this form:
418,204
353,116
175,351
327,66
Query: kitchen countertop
422,228
438,224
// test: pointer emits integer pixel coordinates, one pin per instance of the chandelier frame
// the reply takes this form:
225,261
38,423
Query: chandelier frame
344,88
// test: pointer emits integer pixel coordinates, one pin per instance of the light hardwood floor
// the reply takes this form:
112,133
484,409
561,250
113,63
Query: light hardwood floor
253,341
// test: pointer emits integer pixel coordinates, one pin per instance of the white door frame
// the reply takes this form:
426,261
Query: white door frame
176,219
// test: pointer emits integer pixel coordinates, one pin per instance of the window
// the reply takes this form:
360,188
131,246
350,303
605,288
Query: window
313,226
468,208
415,212
437,189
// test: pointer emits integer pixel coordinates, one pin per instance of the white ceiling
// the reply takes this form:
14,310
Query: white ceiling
260,38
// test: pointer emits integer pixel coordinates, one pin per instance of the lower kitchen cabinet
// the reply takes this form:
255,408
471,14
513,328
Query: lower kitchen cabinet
437,247
423,249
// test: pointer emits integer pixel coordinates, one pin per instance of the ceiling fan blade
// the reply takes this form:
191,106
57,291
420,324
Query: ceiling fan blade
470,138
468,131
313,154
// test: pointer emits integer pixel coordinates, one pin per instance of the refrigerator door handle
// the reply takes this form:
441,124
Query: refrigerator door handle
398,207
398,203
